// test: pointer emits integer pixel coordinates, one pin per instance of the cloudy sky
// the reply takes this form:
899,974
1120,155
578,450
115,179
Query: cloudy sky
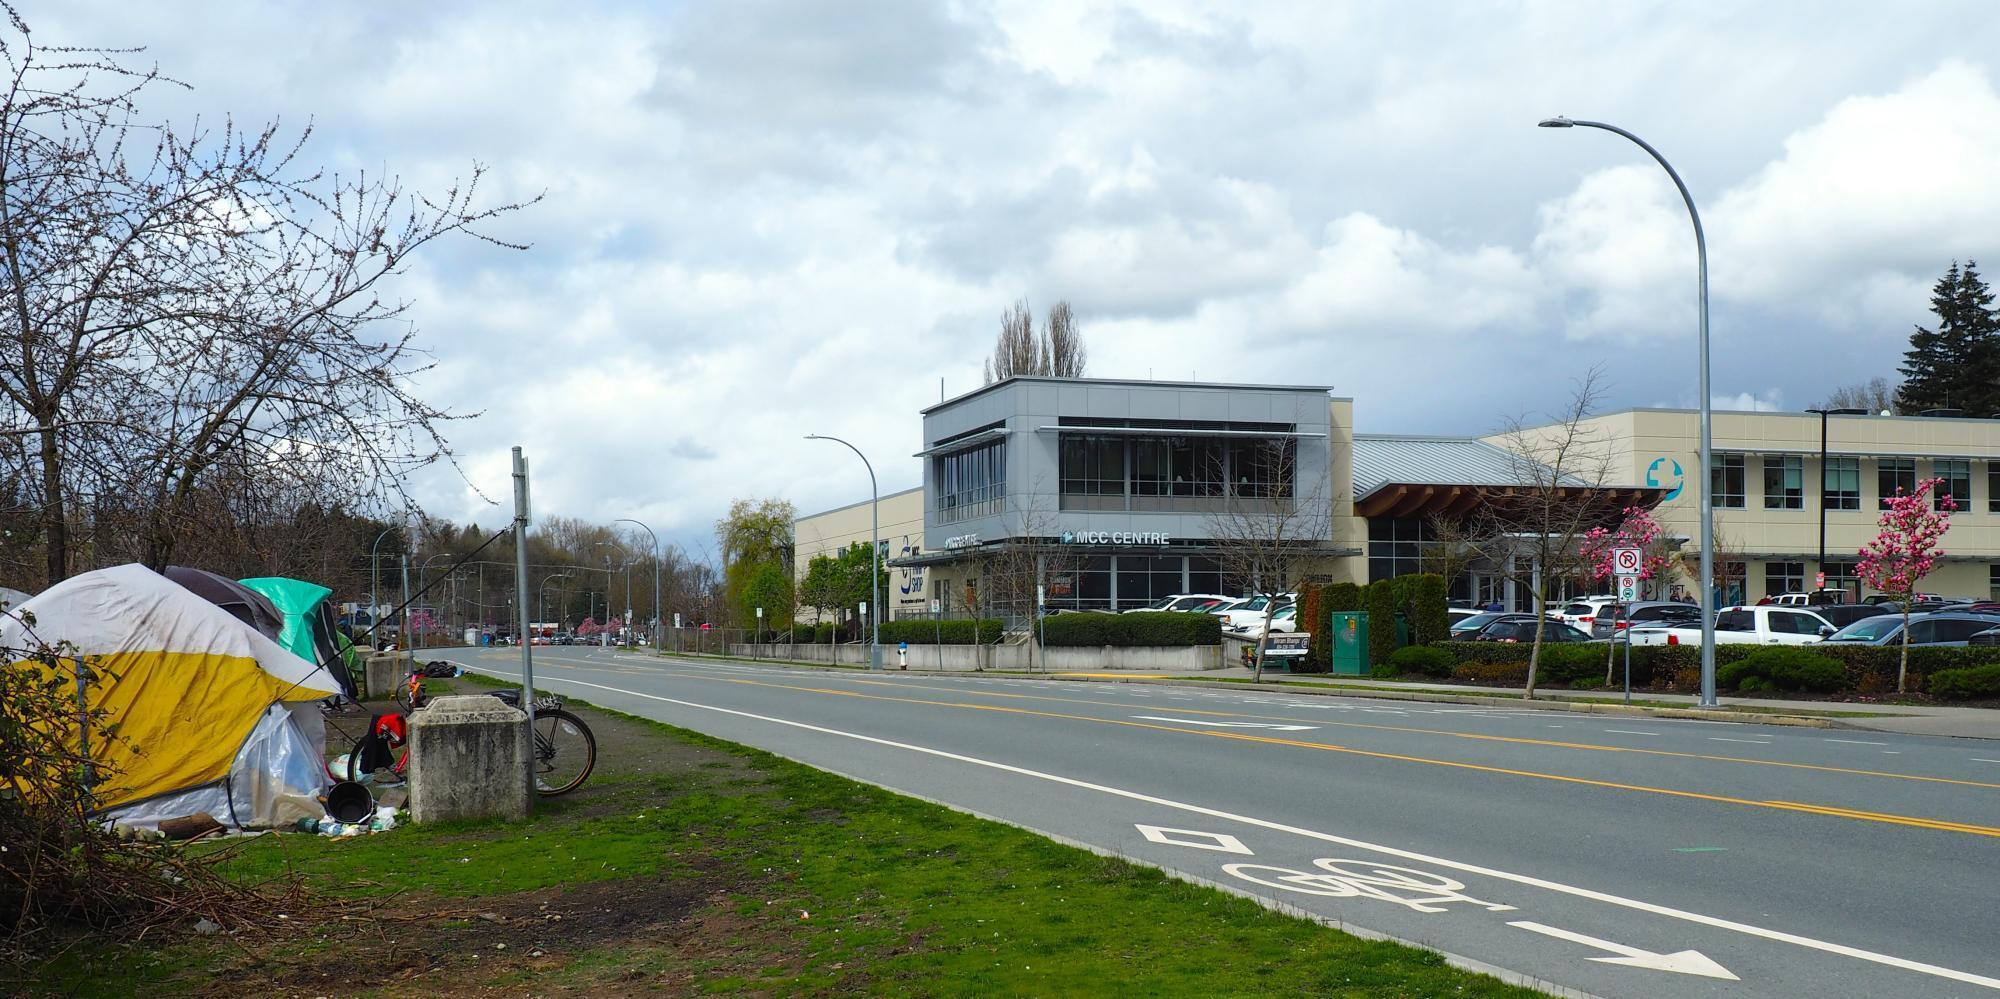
767,218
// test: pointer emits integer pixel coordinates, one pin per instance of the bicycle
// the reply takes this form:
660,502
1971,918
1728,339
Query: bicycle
565,750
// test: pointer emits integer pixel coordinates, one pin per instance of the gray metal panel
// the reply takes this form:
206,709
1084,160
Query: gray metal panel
1457,461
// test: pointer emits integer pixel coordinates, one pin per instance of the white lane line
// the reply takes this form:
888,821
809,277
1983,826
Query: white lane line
1628,731
1856,742
1979,760
1753,742
1892,752
1780,936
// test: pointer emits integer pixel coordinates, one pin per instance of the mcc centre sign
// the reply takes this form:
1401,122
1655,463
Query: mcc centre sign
1114,537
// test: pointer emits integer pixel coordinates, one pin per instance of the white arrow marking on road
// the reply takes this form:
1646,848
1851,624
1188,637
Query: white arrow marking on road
1686,962
1219,842
1217,724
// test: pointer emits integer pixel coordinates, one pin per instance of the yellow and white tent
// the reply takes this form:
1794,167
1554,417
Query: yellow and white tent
212,716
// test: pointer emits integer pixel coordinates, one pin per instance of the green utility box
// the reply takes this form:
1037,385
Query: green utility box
1350,643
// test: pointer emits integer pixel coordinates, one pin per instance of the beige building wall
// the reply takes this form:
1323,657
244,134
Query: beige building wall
902,534
1349,531
1660,448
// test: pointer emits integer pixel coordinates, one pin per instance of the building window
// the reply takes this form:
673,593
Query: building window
1093,465
1784,577
1844,576
1992,487
1894,476
971,483
1395,546
1262,467
1177,466
1843,484
1784,482
1725,481
1955,475
1204,574
1993,581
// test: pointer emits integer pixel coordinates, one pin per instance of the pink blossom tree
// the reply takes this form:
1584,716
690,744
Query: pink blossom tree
1638,530
1905,551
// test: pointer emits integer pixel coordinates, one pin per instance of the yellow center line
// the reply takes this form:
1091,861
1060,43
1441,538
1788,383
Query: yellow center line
1941,825
1477,737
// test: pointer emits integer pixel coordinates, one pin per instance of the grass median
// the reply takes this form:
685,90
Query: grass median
689,865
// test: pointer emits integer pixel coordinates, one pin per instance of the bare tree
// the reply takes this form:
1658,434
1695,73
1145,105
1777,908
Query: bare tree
1063,351
191,307
1452,550
1875,395
1532,531
1059,351
1272,528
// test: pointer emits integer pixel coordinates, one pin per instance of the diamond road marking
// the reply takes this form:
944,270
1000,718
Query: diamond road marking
1219,842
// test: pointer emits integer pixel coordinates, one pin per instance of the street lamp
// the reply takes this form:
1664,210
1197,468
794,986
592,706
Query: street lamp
656,577
1820,566
541,597
374,587
1707,471
874,553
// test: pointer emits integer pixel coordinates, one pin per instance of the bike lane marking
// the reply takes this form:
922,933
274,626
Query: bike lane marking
1717,922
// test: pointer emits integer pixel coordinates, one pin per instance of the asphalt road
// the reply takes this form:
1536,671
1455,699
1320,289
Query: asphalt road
1613,856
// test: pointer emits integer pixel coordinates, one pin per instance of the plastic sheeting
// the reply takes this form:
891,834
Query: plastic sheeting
274,781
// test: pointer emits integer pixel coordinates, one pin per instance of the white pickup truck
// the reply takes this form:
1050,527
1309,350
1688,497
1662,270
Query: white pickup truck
1765,625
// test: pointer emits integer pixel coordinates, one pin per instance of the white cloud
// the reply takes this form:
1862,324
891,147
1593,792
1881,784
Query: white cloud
769,219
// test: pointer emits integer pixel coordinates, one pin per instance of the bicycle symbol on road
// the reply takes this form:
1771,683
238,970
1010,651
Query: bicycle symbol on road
1421,891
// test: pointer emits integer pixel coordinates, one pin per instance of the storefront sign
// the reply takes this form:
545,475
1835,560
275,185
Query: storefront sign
1286,646
962,541
1114,537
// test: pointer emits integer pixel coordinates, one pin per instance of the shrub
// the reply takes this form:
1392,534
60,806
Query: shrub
1421,659
1783,668
1312,619
918,631
1971,683
1140,628
1341,597
1380,600
1512,673
1429,619
1567,664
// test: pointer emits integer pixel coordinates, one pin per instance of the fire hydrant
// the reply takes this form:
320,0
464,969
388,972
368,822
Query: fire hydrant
902,655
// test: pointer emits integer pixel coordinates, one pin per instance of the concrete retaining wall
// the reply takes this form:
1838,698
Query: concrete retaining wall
1005,657
469,760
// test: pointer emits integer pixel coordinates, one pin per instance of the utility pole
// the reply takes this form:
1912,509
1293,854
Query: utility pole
521,516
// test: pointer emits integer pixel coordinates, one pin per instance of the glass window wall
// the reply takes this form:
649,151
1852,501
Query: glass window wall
1784,482
1843,484
1956,474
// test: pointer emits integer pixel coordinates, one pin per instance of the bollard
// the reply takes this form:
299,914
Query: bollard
384,670
469,760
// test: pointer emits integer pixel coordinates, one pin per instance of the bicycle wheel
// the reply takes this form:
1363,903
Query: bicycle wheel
372,761
565,752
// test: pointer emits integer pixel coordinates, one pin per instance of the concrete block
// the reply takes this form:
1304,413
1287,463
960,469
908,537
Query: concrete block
384,671
469,760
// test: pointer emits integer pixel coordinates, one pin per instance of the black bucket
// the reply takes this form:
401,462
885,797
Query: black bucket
348,801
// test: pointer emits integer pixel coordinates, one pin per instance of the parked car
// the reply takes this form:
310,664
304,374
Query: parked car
1183,602
1643,614
1947,628
1842,615
1989,637
1285,620
1466,627
1583,611
1250,609
1761,625
1522,629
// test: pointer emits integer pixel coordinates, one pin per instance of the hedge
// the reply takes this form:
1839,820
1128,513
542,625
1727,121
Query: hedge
922,632
1971,683
1137,629
1783,668
1425,660
1380,602
1430,621
1867,669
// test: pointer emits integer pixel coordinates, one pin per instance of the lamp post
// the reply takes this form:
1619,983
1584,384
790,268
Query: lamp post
423,577
1706,487
375,586
874,554
656,577
541,598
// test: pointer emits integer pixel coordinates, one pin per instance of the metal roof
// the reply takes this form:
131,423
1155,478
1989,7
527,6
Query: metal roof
1382,459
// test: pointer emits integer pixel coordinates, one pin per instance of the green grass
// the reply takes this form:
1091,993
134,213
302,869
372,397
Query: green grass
803,883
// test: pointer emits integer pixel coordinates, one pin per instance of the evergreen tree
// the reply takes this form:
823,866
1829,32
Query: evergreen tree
1956,365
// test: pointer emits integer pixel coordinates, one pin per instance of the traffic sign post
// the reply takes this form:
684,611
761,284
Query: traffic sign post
1629,564
1627,561
1628,589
